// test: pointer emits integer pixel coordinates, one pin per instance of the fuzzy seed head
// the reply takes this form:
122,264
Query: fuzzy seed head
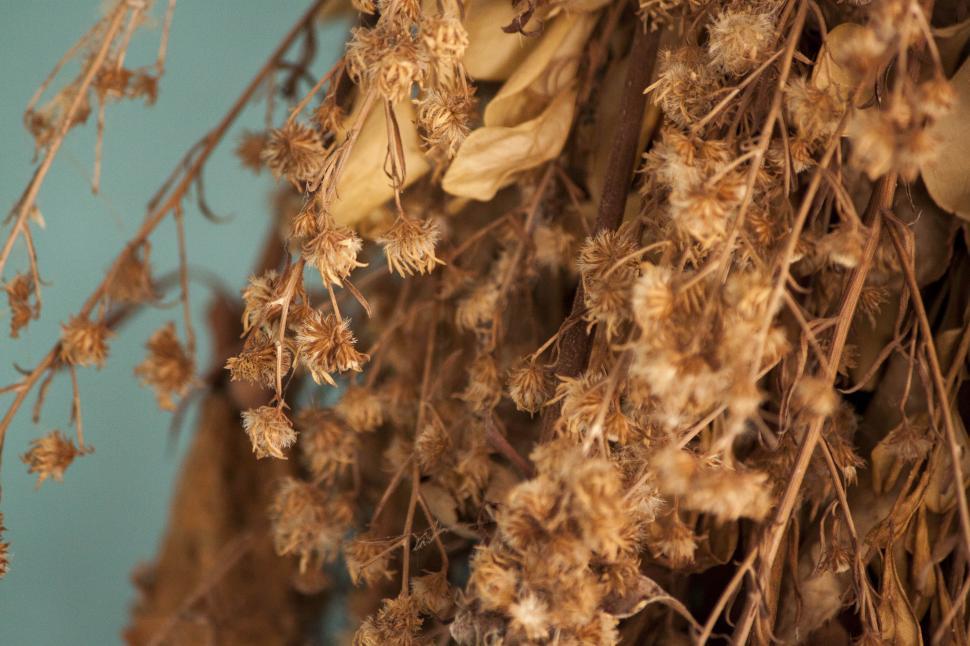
270,431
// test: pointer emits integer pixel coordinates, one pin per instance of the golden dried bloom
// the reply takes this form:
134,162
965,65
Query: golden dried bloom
881,144
307,524
530,617
168,368
676,542
250,150
432,444
327,448
397,623
653,297
813,112
256,364
484,389
84,343
256,298
815,396
51,455
333,252
269,430
530,386
433,594
493,578
368,559
19,291
844,246
295,151
326,344
477,310
445,118
686,85
409,246
304,225
739,39
361,408
444,38
397,72
936,97
132,280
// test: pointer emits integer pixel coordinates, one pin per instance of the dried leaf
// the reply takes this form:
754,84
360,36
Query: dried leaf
947,175
900,626
832,69
490,158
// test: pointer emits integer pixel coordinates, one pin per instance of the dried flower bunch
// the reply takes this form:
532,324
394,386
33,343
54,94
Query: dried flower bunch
593,323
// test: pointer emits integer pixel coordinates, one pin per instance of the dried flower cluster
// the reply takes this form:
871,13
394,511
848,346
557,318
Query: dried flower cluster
662,337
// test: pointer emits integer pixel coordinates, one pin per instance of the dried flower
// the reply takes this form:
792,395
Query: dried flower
84,343
333,251
361,408
306,523
326,345
368,559
19,291
168,368
739,39
51,455
326,447
530,386
295,151
250,150
409,246
269,430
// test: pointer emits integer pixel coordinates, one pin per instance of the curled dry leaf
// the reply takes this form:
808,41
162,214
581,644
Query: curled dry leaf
947,176
490,158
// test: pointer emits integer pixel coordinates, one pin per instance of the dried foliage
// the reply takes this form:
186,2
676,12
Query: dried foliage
620,324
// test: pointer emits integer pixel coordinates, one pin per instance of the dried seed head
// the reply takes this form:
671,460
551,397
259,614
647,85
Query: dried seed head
445,118
327,447
256,298
304,225
19,290
361,408
530,386
409,246
250,150
653,297
493,578
84,343
296,152
530,617
256,364
397,622
131,282
881,144
484,389
813,112
269,430
686,85
739,39
326,345
169,369
333,252
432,445
433,594
368,559
815,396
51,455
308,524
444,38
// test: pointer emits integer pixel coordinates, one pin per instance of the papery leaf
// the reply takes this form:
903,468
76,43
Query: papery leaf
490,158
947,176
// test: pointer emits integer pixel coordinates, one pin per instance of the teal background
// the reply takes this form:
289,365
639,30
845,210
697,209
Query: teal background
74,544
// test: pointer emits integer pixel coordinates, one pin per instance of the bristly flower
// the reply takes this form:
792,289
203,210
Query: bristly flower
295,151
326,345
444,118
739,39
327,447
168,368
250,150
333,252
256,298
19,290
409,246
368,559
256,363
397,623
530,386
84,343
308,524
269,430
131,282
361,408
51,455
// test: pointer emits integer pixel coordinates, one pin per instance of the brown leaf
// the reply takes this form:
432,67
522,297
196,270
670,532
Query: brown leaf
947,175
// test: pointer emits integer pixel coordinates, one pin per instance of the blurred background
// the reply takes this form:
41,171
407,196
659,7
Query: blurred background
74,544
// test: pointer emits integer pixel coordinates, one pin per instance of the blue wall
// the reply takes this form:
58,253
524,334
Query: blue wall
75,543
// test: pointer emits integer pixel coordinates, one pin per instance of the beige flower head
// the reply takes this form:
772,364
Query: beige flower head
296,152
51,455
84,343
333,251
269,430
327,345
169,369
409,246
